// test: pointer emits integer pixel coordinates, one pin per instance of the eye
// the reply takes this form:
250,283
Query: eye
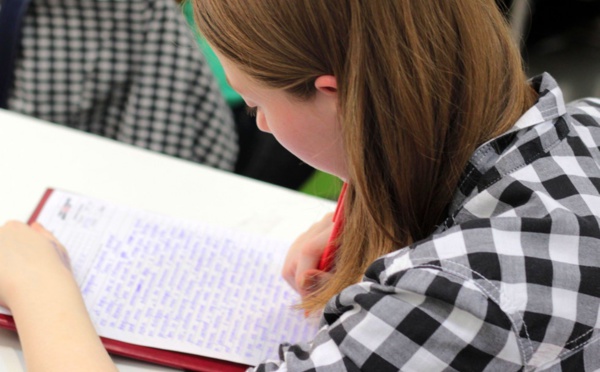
251,111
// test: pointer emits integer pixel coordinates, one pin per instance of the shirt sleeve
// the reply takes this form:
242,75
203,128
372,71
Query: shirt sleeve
420,319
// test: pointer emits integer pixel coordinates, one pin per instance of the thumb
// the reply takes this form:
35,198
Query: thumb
59,248
40,229
313,279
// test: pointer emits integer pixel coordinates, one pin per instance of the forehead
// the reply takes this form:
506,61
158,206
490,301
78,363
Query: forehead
234,76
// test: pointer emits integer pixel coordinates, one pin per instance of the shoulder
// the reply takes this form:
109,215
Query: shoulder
585,107
522,281
584,115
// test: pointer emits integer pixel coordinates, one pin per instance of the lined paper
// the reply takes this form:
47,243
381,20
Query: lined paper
176,284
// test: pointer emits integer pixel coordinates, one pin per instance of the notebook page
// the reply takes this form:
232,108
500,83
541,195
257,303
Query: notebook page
175,284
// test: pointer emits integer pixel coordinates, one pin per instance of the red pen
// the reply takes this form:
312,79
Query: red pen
327,258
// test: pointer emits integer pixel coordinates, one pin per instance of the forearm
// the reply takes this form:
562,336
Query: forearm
56,332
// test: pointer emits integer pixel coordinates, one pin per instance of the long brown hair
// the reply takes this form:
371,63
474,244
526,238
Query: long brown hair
421,84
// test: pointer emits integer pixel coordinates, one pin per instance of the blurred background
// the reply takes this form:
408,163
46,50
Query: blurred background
561,37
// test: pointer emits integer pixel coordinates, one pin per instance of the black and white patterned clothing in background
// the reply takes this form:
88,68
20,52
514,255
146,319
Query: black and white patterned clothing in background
511,282
128,70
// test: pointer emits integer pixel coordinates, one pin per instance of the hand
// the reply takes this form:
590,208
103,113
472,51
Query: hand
300,269
37,285
31,259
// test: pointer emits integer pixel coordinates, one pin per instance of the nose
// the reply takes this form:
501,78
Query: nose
261,122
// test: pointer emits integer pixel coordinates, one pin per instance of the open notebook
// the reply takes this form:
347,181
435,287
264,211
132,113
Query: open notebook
175,292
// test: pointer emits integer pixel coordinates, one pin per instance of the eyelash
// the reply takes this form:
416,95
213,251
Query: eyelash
251,111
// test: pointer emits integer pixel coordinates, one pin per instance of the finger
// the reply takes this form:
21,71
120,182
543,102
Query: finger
314,279
289,271
328,217
62,254
324,223
290,265
47,234
59,248
39,228
309,256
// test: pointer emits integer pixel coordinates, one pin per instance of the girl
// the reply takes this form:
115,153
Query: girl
478,191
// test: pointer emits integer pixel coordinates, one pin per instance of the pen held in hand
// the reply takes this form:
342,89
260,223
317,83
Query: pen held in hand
327,259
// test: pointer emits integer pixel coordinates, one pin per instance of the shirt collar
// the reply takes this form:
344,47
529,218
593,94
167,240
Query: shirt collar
534,133
550,104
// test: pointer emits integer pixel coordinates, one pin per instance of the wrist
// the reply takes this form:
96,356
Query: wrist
54,310
36,290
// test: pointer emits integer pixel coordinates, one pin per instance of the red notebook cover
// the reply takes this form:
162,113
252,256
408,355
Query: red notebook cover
174,359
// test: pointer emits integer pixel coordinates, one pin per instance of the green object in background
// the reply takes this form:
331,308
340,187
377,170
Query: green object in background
231,96
323,185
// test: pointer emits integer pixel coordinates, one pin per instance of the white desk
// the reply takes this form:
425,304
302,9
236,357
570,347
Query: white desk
35,155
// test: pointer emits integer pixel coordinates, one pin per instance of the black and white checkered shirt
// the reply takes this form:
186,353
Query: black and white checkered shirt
511,281
127,70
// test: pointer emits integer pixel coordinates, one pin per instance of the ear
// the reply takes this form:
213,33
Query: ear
326,84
